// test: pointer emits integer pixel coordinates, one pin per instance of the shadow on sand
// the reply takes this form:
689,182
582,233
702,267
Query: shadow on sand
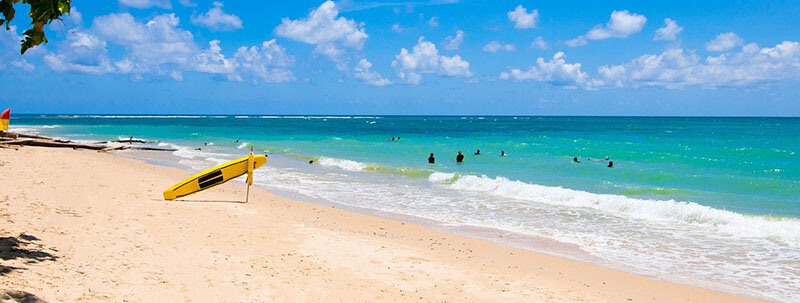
19,296
22,247
208,201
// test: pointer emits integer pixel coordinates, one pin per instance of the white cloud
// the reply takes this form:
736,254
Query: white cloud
522,19
556,72
539,43
397,28
723,42
494,46
425,59
454,42
322,28
213,61
216,19
270,63
75,18
157,46
187,3
669,32
363,72
160,47
81,52
676,68
147,3
433,22
621,25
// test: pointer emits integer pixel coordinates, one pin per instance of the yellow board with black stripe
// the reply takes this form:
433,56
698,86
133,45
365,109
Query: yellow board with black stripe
215,176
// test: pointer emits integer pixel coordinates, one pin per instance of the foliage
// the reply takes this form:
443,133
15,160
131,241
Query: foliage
42,12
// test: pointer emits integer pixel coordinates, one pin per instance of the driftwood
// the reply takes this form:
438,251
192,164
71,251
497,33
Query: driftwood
59,144
18,142
7,139
21,135
130,141
4,135
110,148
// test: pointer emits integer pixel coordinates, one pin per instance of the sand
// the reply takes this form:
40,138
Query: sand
82,226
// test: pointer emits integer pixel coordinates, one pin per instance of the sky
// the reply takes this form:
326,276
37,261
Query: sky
427,57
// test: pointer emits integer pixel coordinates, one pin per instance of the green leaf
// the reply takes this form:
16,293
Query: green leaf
7,9
32,38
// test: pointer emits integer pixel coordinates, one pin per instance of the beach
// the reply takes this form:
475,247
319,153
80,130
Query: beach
93,227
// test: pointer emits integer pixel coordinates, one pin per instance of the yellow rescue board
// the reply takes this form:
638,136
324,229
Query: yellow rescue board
215,176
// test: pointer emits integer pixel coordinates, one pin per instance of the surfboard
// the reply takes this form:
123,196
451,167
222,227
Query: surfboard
216,175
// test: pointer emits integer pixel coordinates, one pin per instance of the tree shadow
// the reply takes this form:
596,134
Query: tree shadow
22,247
19,296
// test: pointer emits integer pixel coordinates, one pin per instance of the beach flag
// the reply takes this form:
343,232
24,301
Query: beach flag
4,117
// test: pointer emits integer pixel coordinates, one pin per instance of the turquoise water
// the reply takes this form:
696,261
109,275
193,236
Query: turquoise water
722,193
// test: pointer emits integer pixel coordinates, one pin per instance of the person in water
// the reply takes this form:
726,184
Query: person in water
502,153
478,152
431,159
611,164
460,157
575,159
310,161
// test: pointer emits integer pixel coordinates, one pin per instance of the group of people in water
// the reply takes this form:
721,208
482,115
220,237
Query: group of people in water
610,163
460,156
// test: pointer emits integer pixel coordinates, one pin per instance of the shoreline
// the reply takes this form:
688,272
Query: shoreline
348,248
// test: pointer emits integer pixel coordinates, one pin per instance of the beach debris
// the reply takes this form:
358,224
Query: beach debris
8,138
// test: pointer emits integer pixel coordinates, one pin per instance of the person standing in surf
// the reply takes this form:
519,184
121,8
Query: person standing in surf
431,159
460,157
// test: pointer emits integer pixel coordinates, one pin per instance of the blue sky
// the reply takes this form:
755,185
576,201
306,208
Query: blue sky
415,57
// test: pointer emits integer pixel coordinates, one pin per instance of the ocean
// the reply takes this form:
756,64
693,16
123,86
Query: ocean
713,202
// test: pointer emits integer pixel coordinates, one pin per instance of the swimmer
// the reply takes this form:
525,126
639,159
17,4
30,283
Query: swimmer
431,159
611,164
310,161
460,157
478,152
576,160
502,153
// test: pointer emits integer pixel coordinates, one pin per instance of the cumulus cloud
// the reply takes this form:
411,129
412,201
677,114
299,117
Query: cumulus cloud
9,51
397,28
539,43
141,4
160,47
425,59
621,25
669,32
677,67
494,46
270,63
522,19
723,42
454,42
555,72
325,29
363,72
216,19
157,46
81,52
